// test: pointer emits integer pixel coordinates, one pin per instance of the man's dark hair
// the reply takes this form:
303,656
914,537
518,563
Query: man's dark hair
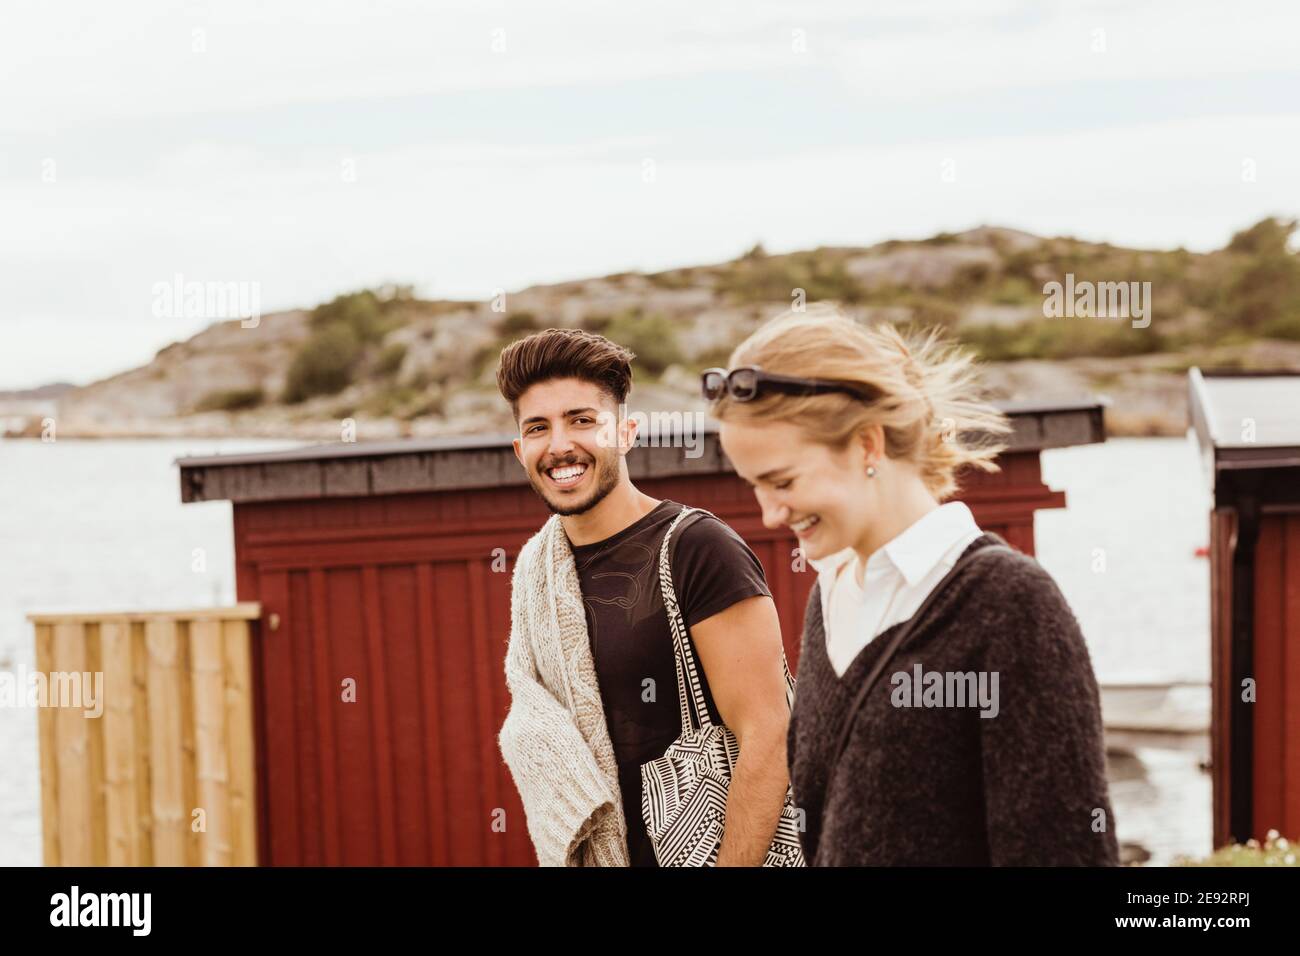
564,353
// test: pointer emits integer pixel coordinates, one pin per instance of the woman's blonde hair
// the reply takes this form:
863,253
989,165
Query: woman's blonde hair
924,392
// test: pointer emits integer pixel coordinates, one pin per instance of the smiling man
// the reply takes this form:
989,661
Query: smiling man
578,768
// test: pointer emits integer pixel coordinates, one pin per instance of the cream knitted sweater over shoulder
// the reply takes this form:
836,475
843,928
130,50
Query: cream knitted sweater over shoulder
554,739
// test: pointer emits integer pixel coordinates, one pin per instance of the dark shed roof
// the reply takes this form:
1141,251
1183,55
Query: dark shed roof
1248,426
338,469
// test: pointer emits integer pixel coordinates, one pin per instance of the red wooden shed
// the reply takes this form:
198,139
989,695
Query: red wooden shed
383,574
1248,427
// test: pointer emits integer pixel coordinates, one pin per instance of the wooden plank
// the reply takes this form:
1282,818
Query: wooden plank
310,742
242,795
189,770
75,812
211,757
143,764
345,477
1270,688
485,676
412,808
326,695
1290,825
88,708
120,798
281,787
48,752
1222,525
170,821
433,725
381,725
458,706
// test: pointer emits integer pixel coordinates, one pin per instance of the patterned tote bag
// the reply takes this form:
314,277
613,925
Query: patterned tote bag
684,792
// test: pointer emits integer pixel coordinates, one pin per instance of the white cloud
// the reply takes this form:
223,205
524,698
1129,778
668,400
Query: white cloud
152,181
85,62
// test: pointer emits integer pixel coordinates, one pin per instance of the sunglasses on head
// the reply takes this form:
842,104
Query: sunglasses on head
747,382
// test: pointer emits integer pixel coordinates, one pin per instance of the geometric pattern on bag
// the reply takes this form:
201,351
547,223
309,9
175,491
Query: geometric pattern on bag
684,792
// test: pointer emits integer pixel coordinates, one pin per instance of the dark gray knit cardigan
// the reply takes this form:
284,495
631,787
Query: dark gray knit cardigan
940,785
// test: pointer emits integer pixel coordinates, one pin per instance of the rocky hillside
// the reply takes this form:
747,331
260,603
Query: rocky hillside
395,365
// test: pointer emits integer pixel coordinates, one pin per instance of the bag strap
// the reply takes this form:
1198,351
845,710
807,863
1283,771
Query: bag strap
690,693
689,696
901,635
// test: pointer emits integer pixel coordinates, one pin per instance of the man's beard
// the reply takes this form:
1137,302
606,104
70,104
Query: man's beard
606,480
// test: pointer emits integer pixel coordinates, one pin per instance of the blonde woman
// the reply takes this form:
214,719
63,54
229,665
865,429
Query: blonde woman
947,712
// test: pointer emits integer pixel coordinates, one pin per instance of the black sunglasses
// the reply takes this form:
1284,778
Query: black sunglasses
747,382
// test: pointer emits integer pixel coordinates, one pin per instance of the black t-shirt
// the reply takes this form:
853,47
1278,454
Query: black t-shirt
632,643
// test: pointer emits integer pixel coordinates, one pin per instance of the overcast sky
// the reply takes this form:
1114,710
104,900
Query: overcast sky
320,147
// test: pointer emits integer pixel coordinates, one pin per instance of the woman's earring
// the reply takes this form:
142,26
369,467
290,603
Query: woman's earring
871,471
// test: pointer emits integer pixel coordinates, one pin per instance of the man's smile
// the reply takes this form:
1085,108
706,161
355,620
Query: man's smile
569,476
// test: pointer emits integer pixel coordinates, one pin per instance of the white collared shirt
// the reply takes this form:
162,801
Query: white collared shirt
898,578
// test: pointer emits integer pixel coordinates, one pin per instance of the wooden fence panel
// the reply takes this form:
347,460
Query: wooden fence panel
146,738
